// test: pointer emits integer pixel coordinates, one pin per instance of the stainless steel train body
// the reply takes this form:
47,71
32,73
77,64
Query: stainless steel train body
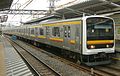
117,32
90,38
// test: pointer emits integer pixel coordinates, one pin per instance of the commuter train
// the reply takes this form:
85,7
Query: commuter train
89,40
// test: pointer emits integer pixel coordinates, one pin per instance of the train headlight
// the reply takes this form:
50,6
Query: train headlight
107,46
92,46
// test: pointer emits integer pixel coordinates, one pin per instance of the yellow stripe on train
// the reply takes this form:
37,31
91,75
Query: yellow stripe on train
56,39
100,42
42,37
72,41
63,23
32,35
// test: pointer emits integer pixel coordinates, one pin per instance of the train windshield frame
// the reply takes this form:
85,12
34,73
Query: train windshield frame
99,28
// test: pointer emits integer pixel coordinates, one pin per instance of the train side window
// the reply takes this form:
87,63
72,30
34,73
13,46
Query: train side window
69,31
36,31
53,31
32,31
56,31
41,31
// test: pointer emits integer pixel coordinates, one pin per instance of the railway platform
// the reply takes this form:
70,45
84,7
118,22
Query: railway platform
11,64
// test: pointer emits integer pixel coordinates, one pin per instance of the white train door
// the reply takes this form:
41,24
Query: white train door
66,36
36,32
47,34
78,38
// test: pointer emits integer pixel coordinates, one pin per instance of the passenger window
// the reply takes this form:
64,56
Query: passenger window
32,31
56,31
41,31
53,31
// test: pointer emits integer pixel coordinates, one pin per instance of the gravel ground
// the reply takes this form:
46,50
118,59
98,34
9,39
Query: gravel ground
59,66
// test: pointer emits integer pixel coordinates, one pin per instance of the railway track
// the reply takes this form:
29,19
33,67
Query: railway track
90,70
41,68
112,71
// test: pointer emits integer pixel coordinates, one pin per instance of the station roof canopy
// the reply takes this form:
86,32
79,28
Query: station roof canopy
5,4
116,1
88,7
42,19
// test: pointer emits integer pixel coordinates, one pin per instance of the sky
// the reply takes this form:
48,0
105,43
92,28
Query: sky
34,5
20,4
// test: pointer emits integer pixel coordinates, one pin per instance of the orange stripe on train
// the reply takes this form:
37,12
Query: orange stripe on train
56,39
100,42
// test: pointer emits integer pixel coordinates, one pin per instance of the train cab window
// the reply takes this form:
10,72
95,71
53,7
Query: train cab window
56,31
41,31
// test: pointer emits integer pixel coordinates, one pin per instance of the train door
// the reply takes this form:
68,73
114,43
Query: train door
78,38
28,31
47,33
36,32
67,34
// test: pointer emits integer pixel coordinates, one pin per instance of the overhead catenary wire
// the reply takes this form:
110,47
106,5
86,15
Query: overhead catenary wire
66,3
15,3
26,4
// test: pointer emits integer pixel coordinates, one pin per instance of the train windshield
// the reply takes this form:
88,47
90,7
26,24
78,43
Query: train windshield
99,30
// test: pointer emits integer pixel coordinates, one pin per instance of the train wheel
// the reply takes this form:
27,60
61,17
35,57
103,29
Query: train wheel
78,62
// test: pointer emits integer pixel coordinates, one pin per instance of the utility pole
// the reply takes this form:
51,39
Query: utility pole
52,6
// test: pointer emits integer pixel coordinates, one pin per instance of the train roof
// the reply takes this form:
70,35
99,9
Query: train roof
64,20
74,19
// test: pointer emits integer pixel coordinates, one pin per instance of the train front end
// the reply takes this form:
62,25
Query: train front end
98,40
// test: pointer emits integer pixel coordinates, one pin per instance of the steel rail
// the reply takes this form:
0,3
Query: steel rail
46,69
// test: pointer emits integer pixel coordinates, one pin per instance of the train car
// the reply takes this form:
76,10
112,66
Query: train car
89,40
